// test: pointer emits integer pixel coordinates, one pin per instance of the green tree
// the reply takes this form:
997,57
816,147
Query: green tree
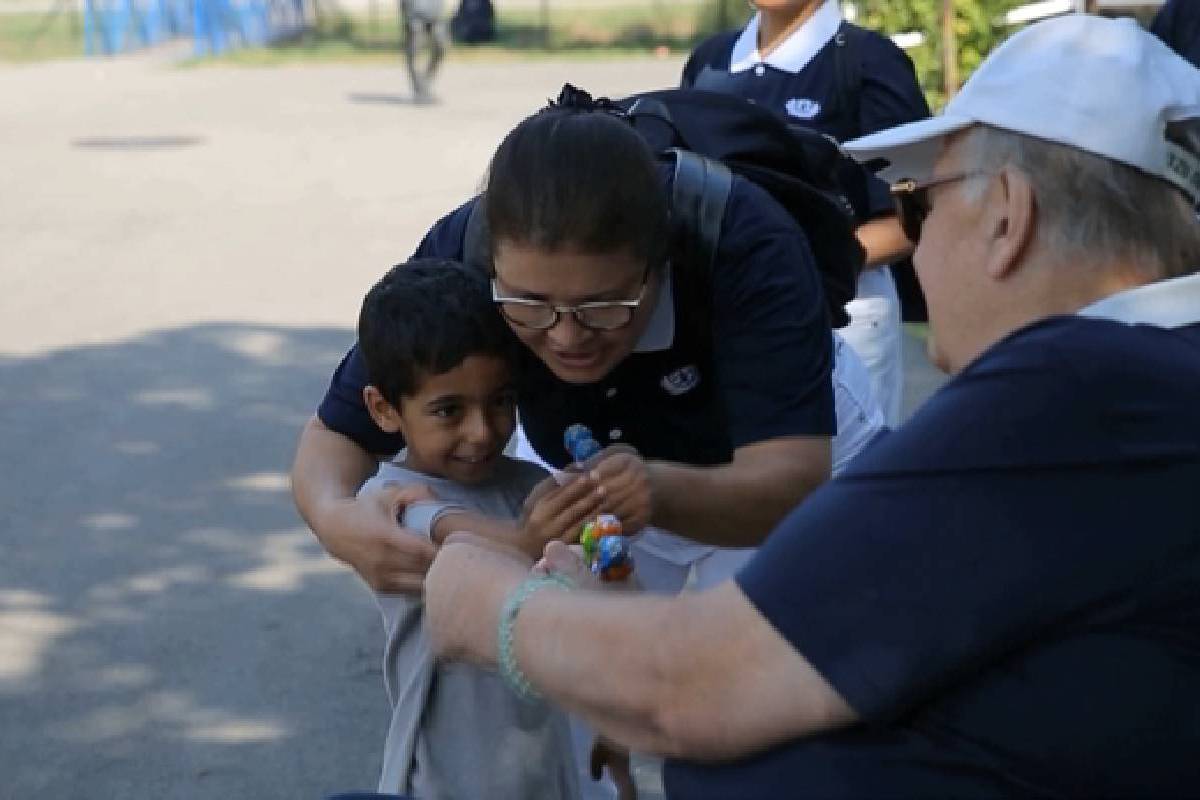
978,27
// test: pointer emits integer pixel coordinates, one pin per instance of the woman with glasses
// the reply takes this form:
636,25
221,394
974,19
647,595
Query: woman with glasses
714,402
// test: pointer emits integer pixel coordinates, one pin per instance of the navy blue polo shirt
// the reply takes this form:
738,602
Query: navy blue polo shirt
1178,24
876,88
1007,589
759,370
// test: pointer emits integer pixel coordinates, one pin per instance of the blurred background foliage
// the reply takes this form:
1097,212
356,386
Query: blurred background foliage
978,27
367,30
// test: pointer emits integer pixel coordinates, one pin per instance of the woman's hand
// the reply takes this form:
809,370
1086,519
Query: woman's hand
627,484
464,593
567,561
366,534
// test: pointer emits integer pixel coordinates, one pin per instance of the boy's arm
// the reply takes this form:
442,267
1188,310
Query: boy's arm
506,532
551,512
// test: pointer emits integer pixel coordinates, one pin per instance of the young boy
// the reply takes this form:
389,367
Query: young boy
440,363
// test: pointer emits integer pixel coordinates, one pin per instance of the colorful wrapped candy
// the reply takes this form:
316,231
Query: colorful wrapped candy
580,443
605,548
613,561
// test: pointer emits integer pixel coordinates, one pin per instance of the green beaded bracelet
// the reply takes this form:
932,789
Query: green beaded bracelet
509,668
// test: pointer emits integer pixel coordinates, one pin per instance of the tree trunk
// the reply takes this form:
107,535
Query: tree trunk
949,51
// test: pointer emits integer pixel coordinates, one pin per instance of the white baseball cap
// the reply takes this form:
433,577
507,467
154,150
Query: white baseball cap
1103,86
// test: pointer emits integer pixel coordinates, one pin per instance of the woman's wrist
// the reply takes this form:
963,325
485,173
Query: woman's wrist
506,651
658,476
495,589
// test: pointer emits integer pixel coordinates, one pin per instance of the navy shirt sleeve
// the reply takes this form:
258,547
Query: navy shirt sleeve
342,409
998,516
772,345
445,238
712,52
889,96
1178,25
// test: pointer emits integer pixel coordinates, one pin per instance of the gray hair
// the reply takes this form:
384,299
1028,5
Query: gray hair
1090,206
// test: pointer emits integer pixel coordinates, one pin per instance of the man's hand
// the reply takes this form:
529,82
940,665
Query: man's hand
368,537
606,754
554,512
628,492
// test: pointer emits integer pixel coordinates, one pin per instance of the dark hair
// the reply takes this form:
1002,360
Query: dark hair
425,317
570,177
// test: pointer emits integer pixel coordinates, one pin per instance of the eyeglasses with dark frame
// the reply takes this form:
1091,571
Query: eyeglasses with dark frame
539,315
913,203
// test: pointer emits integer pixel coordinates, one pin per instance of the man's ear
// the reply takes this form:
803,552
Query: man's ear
382,412
1012,213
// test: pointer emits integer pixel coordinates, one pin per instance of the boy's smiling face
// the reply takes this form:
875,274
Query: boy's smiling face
456,424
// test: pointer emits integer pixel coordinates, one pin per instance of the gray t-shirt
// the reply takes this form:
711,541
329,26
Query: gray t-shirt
457,731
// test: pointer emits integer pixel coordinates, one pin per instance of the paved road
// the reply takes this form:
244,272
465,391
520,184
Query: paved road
182,254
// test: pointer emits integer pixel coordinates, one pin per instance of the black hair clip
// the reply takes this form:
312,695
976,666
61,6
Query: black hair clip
574,98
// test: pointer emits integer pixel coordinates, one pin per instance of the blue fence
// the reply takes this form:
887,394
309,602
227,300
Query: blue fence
118,26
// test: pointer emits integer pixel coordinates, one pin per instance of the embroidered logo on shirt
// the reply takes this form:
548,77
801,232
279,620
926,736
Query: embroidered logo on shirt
802,107
682,380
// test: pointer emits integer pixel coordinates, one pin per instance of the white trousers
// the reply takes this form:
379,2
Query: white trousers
875,334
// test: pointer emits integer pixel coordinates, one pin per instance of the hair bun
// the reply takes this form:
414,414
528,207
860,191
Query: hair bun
576,99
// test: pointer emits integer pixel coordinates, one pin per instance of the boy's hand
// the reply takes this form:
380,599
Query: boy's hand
628,492
606,754
553,512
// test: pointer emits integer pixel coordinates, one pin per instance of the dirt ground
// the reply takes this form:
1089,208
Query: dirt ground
182,255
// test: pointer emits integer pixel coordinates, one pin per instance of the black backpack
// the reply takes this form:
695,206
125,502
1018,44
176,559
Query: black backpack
710,137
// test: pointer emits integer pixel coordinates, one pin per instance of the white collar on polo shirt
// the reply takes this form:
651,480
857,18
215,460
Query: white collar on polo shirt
1171,303
660,332
797,50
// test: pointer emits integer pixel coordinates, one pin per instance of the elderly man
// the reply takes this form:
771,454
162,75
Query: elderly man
1003,596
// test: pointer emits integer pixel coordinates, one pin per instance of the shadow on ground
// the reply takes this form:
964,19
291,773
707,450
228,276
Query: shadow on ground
168,626
160,601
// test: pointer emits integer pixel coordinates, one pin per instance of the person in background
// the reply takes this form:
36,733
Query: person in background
800,59
424,40
1178,24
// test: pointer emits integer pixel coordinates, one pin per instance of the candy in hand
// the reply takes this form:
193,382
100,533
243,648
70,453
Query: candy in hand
594,530
580,443
605,548
613,561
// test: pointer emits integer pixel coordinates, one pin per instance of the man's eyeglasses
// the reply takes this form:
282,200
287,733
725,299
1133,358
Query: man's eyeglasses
913,203
542,316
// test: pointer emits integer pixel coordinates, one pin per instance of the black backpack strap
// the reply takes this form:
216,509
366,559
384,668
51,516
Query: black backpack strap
477,247
662,131
848,71
699,193
698,197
